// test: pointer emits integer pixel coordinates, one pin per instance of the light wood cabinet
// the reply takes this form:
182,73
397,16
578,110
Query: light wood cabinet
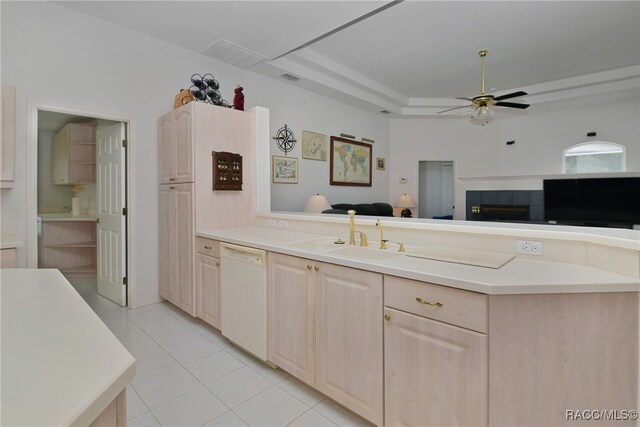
435,373
436,369
8,258
7,135
69,246
349,348
176,243
187,136
291,315
325,328
208,285
73,155
175,147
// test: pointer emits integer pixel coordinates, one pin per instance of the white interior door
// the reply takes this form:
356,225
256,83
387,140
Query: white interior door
446,188
110,176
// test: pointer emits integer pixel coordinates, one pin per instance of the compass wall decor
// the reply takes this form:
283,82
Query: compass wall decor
285,139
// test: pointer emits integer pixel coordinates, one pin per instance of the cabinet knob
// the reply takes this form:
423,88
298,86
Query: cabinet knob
387,317
97,220
435,304
309,267
316,268
217,263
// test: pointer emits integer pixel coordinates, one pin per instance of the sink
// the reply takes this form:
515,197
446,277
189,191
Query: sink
365,253
318,244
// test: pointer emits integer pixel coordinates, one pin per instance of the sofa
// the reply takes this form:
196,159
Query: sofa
369,209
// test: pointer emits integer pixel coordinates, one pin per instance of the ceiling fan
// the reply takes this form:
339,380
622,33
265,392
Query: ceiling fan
482,113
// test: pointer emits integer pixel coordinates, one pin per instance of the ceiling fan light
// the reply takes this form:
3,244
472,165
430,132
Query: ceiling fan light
482,115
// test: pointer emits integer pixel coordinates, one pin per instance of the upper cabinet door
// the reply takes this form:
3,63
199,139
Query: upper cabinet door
7,135
175,146
166,149
183,139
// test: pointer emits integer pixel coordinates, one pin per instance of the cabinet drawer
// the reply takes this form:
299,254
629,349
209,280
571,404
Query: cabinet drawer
208,247
454,306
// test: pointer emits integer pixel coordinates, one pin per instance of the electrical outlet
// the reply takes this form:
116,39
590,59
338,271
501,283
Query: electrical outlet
283,224
15,212
528,247
403,180
272,222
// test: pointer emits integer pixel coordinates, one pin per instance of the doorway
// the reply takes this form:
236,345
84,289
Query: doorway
80,199
435,189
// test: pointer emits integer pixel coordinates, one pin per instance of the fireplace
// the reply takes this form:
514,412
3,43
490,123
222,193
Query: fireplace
491,212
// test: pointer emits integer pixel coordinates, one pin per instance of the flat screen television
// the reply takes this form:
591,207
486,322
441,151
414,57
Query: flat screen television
600,202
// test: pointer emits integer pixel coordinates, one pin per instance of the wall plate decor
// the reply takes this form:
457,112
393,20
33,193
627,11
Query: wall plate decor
284,170
380,163
285,139
314,146
227,171
350,163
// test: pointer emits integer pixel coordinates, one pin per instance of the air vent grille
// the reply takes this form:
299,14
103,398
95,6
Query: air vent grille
290,77
231,53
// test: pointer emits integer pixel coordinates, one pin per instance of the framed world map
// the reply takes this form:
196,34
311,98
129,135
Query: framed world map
349,163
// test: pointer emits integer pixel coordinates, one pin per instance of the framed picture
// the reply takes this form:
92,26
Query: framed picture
380,163
349,163
314,146
284,170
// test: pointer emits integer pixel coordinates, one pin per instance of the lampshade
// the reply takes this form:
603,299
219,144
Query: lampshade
317,203
405,201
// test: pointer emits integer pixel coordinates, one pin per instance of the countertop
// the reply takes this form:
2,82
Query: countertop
60,364
8,241
521,275
64,216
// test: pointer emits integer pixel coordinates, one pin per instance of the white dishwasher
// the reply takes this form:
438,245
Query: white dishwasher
243,277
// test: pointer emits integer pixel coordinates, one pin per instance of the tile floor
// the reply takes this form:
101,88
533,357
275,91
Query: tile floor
188,374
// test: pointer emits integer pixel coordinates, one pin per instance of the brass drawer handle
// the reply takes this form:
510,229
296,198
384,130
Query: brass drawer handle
316,268
171,187
387,317
217,263
309,267
436,304
207,247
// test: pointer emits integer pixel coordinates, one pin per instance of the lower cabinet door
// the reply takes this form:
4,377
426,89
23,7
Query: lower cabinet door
208,289
291,315
349,348
435,373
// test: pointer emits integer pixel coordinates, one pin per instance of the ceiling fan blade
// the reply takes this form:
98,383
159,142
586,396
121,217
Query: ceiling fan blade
455,108
510,95
466,99
512,105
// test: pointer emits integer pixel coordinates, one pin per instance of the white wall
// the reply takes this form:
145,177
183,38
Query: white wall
63,58
540,138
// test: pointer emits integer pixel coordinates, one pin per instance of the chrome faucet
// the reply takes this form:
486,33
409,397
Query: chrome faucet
383,242
352,227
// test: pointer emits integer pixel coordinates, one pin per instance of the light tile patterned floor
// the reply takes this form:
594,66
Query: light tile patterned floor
190,375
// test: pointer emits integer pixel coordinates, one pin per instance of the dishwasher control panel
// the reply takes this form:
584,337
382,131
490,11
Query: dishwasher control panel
243,253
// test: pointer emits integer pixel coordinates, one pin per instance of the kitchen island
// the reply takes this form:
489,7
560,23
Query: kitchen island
405,338
60,364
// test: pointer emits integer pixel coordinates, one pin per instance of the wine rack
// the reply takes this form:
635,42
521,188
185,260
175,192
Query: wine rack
227,171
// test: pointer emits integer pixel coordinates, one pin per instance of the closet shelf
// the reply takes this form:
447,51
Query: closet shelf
73,245
81,269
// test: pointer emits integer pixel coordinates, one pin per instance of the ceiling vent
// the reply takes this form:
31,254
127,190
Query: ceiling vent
385,111
290,77
233,54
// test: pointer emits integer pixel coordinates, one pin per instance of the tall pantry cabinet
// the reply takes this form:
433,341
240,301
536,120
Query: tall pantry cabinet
187,136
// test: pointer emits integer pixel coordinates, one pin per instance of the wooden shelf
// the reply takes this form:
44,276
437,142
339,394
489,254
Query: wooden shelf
74,245
83,269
